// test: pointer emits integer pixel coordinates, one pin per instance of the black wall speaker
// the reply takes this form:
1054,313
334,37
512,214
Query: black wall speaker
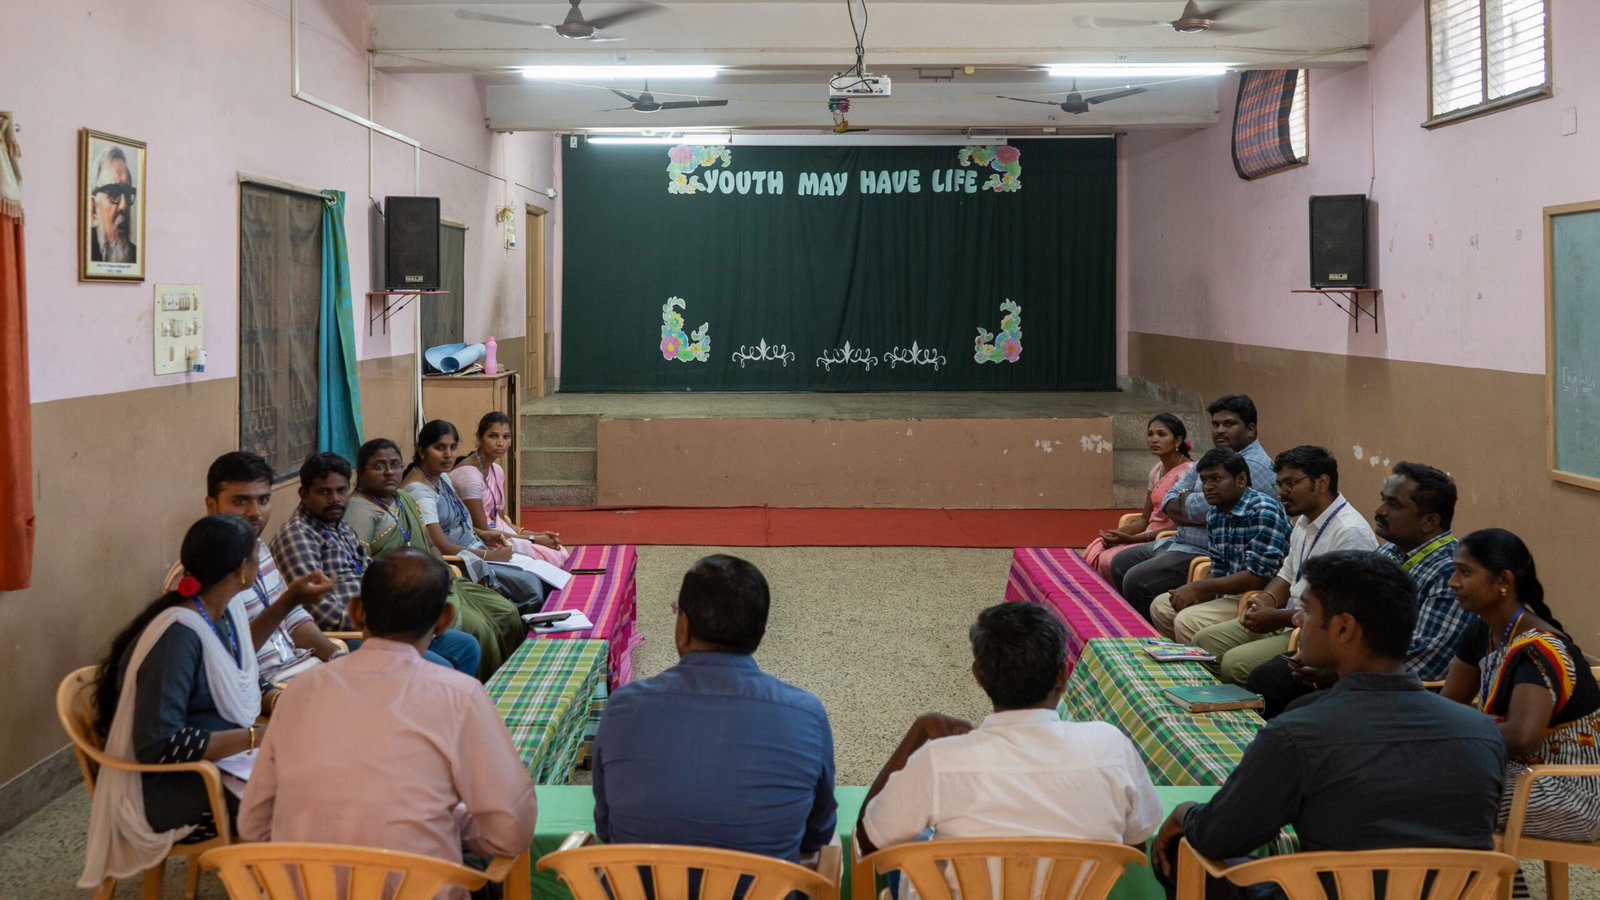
1339,241
411,243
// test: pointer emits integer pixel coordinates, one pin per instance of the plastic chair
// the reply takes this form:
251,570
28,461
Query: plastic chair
1064,869
291,871
1128,519
616,871
1245,598
75,709
1556,855
1456,874
1199,567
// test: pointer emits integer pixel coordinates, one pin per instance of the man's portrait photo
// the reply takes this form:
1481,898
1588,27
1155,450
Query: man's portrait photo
112,229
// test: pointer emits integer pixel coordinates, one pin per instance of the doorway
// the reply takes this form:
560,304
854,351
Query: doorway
534,362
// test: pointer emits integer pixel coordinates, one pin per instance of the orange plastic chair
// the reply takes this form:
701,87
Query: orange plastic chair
616,872
1199,567
291,871
1063,869
1556,855
1456,874
75,709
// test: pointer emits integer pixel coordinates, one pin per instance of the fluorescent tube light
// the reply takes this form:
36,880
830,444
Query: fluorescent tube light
688,137
612,73
1137,70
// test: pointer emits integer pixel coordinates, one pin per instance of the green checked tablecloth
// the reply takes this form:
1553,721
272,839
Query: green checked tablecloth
544,693
1116,681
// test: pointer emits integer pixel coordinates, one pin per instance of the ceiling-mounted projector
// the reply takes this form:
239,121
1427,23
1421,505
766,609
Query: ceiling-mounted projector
851,84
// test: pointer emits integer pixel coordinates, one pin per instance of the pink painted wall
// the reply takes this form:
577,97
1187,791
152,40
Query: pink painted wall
1457,210
207,86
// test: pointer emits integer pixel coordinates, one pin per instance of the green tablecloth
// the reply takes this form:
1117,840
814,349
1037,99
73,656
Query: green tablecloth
1116,681
544,693
564,809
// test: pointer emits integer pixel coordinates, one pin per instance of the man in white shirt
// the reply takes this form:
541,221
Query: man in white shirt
1022,772
1308,485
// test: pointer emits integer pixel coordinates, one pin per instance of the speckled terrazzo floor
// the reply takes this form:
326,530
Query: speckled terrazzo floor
878,634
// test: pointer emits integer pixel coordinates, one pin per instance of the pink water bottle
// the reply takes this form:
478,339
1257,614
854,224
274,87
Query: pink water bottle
491,366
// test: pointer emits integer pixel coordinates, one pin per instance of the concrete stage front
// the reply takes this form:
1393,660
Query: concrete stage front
870,450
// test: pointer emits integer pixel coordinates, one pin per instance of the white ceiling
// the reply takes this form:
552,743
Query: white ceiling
780,55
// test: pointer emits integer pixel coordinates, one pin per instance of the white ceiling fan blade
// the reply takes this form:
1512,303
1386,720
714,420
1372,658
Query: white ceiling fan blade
499,20
642,9
1105,22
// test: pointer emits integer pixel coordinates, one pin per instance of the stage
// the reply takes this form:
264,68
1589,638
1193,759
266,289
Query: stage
778,462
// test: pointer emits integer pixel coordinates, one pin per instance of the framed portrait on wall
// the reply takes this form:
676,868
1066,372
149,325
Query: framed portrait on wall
111,198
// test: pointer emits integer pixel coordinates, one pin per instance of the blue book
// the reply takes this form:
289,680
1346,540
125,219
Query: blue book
1213,697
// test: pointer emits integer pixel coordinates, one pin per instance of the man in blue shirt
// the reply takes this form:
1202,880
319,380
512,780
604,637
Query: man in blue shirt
713,751
1248,534
1143,571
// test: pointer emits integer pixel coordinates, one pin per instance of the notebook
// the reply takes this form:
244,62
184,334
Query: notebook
1213,697
1167,651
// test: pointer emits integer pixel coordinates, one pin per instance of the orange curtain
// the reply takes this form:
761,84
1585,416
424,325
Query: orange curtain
16,435
16,438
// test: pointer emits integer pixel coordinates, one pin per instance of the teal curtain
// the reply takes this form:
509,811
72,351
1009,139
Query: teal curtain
339,412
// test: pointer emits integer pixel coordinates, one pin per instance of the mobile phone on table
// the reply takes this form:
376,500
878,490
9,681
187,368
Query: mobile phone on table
547,618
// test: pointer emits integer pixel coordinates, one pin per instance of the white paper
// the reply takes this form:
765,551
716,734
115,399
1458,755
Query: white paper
575,622
239,765
556,578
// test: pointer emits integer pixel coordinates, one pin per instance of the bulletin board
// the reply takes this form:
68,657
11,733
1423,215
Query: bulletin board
1572,342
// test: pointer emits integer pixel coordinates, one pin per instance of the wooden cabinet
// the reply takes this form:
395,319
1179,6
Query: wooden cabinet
462,400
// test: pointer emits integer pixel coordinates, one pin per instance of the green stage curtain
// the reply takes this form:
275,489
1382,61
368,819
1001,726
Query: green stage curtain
840,269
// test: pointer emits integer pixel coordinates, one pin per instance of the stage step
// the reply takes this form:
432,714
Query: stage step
564,463
558,459
559,492
541,430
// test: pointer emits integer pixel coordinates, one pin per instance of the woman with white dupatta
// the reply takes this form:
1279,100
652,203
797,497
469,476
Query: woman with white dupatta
180,684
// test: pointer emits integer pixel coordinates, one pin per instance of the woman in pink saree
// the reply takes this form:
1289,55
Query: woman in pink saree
1168,441
481,482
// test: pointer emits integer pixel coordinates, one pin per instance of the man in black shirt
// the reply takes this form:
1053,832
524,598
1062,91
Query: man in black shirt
1374,762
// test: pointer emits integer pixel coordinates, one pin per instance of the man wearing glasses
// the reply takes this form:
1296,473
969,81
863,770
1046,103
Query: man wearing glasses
1308,484
110,238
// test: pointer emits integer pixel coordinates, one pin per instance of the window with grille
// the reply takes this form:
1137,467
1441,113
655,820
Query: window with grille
1485,54
1270,126
280,308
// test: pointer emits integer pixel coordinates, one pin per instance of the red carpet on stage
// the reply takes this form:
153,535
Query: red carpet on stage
756,526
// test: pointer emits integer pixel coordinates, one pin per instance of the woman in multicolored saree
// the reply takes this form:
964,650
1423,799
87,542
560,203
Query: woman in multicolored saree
386,518
1520,667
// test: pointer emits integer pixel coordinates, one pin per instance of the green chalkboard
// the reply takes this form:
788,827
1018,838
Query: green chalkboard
1572,341
874,268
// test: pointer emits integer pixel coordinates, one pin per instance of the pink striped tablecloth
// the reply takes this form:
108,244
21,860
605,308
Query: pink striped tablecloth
1090,608
609,600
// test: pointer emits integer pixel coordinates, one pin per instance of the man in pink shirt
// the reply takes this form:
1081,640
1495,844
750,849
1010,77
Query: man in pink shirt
384,749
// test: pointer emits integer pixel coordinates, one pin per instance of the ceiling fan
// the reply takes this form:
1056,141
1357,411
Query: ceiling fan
574,26
1076,103
1191,21
646,102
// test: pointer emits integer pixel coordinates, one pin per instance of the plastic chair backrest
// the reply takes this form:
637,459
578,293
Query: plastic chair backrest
1420,874
75,709
292,871
1054,868
624,868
